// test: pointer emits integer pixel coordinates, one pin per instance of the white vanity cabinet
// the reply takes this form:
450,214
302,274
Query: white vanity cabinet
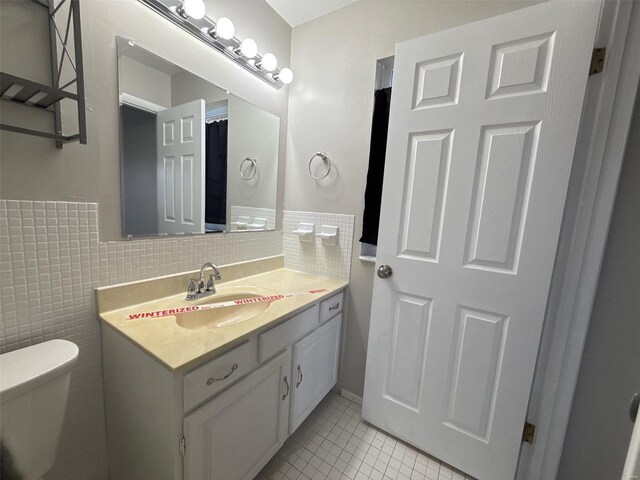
236,433
224,418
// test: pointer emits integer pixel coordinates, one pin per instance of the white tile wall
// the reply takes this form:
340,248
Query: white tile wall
317,258
50,263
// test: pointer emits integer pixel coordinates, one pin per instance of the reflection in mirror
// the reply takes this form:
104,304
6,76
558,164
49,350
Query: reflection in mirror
194,158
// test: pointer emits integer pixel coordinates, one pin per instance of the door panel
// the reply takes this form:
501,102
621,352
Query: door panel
502,184
405,371
478,354
422,207
437,82
482,131
520,67
181,168
315,369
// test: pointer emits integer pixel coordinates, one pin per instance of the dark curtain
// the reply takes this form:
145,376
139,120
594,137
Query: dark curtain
216,173
377,150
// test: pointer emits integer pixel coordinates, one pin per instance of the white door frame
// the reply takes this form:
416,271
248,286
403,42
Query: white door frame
592,191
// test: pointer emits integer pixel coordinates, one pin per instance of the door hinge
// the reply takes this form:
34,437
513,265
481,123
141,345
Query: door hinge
528,432
597,61
183,446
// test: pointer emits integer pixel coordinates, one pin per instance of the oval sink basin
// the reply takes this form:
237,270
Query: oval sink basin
223,316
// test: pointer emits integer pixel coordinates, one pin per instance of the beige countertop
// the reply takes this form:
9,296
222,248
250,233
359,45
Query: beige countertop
177,347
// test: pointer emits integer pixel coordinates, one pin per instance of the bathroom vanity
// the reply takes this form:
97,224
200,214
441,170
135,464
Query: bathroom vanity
215,403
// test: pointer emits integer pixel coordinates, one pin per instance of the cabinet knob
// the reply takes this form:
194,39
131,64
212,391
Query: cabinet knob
385,271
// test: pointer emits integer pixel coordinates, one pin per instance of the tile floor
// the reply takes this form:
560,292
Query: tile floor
334,443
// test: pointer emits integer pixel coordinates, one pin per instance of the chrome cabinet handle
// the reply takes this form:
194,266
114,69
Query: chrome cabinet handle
385,271
286,382
300,376
335,307
635,404
212,380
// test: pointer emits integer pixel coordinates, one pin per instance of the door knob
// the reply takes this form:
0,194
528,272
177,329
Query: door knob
384,271
633,409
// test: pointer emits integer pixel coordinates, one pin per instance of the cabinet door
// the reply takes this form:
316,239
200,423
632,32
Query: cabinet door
234,435
315,369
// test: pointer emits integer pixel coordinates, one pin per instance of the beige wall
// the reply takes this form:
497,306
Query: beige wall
330,107
252,133
33,169
186,87
144,82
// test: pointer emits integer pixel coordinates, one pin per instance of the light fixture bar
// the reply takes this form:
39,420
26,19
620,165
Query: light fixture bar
199,28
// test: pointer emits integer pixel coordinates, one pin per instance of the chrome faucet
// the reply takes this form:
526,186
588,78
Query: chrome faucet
198,289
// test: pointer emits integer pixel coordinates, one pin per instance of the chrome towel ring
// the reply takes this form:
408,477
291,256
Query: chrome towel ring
255,167
325,160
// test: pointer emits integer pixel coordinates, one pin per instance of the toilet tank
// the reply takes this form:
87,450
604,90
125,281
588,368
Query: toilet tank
34,385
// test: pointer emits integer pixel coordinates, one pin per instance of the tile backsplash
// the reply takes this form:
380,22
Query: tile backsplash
50,262
316,257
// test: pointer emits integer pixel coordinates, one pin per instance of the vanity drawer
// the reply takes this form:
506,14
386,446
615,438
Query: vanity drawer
331,306
278,338
216,374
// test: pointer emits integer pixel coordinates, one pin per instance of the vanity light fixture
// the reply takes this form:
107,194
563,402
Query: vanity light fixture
285,76
224,28
248,48
190,15
192,9
269,62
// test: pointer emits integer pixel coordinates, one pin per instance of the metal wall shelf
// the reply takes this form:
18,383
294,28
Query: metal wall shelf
64,28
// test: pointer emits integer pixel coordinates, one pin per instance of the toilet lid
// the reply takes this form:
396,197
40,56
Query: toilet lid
27,368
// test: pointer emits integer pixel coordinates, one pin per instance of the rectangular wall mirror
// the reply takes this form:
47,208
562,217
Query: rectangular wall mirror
194,158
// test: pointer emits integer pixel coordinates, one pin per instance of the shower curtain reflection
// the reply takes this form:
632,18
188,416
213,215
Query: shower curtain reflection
216,176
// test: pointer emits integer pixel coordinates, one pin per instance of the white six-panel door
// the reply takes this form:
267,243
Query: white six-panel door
180,141
482,131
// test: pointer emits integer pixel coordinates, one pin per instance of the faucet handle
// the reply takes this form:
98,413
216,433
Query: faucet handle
192,289
211,286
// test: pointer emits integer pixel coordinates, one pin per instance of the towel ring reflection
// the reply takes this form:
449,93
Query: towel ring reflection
252,160
326,160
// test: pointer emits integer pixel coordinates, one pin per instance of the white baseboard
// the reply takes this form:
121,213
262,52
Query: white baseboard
351,396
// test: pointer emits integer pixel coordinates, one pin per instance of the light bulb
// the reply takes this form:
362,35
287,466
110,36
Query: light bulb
194,8
269,62
225,28
248,48
285,76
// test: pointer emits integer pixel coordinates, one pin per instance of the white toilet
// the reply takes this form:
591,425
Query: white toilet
34,385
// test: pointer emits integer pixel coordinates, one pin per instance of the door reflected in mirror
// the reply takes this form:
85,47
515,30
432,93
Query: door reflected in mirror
194,158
